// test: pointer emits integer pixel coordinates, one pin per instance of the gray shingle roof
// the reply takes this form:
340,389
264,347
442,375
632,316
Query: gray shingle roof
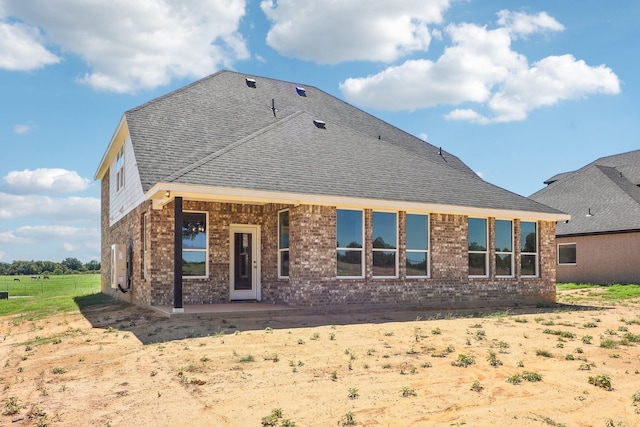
607,186
219,131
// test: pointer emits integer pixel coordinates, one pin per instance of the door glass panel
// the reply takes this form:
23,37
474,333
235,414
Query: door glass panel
242,262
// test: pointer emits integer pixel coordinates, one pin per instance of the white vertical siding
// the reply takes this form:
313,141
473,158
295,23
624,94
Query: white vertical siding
131,195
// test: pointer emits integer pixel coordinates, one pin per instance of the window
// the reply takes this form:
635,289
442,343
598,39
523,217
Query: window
417,254
567,254
120,169
385,236
477,247
145,246
504,247
528,249
283,244
349,243
194,244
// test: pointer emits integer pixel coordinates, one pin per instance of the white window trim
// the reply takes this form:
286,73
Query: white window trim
362,256
145,243
558,253
427,251
206,250
280,250
512,253
485,252
396,251
120,169
531,253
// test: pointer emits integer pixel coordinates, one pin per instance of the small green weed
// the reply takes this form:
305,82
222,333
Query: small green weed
514,379
602,381
463,361
476,386
408,392
531,376
11,406
348,419
353,393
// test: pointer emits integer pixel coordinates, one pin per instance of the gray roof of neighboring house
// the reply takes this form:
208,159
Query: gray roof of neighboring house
221,131
607,187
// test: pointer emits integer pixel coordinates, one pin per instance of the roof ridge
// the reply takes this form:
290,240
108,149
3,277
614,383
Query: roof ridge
620,181
173,92
230,147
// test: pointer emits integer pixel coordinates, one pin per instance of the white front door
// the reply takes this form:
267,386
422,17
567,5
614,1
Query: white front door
244,263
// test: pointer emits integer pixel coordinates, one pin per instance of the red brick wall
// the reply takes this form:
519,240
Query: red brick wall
313,279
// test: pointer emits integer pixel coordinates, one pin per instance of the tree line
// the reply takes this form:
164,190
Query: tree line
30,268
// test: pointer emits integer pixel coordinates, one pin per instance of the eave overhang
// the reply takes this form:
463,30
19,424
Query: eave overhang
164,193
119,136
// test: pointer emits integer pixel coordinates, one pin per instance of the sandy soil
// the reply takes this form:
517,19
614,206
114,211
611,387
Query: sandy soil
123,366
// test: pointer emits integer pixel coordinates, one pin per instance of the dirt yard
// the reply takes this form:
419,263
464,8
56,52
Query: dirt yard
578,365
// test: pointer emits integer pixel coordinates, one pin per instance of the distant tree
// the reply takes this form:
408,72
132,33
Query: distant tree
92,266
73,264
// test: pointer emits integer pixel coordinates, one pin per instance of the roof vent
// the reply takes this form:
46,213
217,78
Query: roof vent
251,82
319,124
301,91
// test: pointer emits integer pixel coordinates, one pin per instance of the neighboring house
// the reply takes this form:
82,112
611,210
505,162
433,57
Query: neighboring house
248,188
601,242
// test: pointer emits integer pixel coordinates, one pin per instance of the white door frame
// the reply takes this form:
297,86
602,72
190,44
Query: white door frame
256,292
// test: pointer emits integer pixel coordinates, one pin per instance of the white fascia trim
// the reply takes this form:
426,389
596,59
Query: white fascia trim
108,154
242,195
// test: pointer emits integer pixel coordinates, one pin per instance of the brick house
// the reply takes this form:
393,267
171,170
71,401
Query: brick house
248,188
601,242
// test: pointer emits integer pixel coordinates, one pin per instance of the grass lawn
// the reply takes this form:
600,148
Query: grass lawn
38,298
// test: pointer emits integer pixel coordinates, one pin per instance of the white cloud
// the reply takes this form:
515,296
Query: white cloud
21,48
52,209
45,180
23,128
547,82
131,45
330,32
518,23
481,67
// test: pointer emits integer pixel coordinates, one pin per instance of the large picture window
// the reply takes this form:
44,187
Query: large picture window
349,243
194,244
528,249
567,254
417,253
504,247
385,236
283,244
477,240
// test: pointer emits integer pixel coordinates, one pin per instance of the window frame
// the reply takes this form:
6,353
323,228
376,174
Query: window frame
485,252
282,250
497,252
145,245
205,250
535,254
395,251
361,249
120,162
427,251
575,249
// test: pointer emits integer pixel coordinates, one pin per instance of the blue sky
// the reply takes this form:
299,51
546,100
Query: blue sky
519,90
